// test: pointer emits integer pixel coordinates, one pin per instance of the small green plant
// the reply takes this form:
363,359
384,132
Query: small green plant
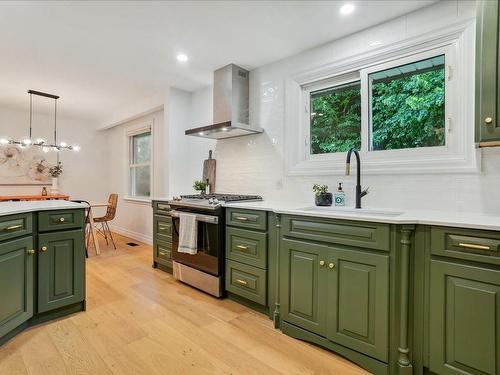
56,170
320,189
200,186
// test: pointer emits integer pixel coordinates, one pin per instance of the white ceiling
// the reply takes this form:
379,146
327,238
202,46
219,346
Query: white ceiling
99,56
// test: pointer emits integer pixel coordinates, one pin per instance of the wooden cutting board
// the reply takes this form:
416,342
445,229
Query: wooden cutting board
209,166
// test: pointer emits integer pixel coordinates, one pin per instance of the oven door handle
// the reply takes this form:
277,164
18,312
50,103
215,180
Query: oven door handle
199,217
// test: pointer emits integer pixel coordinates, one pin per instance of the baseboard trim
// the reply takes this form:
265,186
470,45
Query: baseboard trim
134,235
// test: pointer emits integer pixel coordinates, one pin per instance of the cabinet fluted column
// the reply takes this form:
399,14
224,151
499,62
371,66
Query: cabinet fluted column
405,367
276,317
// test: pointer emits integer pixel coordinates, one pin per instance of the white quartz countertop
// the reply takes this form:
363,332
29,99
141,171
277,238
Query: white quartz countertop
11,208
375,214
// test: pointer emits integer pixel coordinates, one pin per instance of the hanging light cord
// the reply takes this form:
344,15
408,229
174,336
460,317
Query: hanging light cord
31,111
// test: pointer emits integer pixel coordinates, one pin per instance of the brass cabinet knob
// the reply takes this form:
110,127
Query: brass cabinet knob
44,249
488,120
321,263
31,252
61,220
331,265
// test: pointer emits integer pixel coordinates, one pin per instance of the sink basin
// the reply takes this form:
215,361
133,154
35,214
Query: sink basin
351,211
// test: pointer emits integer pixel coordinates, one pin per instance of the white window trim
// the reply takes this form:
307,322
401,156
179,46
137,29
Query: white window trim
140,128
459,155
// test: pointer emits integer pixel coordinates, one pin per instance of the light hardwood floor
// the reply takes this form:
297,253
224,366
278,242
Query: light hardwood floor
140,321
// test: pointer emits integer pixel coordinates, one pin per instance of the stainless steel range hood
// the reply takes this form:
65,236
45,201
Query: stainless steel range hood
230,106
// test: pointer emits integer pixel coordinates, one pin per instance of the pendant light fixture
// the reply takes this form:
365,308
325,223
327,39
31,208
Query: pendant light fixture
40,142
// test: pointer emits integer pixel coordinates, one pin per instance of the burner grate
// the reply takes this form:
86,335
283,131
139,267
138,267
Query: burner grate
224,197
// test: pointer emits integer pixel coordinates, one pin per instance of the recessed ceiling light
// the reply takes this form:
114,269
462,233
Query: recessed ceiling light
182,57
346,9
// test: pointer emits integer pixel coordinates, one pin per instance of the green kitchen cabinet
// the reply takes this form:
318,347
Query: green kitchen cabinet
61,269
464,325
358,301
16,283
304,284
488,73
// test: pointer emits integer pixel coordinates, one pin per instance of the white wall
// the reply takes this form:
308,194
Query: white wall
186,154
134,218
83,172
255,164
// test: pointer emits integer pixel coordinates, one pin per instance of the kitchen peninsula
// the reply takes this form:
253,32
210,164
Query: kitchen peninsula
42,263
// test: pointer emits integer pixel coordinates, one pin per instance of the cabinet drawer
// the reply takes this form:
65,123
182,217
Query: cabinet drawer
60,219
246,246
161,208
163,228
246,281
468,244
15,226
352,233
163,250
249,219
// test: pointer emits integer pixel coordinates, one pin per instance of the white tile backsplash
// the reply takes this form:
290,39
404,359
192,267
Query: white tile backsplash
255,164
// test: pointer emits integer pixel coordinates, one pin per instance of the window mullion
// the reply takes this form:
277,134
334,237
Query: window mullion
365,105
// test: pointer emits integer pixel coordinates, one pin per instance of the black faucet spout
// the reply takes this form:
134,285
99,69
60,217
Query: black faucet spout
359,193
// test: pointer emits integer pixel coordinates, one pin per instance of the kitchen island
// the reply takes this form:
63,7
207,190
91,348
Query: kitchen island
42,263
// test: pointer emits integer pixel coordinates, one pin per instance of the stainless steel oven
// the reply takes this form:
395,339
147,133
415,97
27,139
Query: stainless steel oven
205,269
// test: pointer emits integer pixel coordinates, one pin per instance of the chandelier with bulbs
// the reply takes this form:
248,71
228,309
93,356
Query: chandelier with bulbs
40,142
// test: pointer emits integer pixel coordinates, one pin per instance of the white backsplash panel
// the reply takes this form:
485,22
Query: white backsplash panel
255,164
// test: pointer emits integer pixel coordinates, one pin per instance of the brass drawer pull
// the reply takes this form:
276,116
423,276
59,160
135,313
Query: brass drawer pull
321,263
488,120
474,246
44,249
331,265
242,282
242,247
12,227
241,218
163,253
31,252
61,220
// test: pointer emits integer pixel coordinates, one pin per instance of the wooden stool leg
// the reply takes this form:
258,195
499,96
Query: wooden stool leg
110,235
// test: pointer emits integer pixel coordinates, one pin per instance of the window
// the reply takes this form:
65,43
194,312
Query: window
407,105
140,164
335,118
406,109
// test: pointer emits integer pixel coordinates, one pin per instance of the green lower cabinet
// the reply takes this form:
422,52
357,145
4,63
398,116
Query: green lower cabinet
464,319
358,301
16,283
61,269
303,284
337,293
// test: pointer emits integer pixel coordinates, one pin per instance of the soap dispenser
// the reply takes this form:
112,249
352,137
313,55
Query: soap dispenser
340,196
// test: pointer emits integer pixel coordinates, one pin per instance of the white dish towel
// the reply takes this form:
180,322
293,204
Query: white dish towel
188,234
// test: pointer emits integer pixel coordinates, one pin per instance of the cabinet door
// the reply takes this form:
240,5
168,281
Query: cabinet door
464,319
16,283
358,295
487,72
303,285
61,269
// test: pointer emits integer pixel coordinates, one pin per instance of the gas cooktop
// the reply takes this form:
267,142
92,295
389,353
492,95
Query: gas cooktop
224,197
210,201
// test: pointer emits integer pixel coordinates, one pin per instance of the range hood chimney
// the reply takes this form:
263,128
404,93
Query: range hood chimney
231,106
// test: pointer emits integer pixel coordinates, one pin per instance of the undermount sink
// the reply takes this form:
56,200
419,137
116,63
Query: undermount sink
351,211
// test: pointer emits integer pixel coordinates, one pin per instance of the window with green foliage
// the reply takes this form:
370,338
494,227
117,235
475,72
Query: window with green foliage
335,119
405,108
408,105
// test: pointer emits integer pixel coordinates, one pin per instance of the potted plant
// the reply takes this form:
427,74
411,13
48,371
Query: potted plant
200,186
322,196
55,172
